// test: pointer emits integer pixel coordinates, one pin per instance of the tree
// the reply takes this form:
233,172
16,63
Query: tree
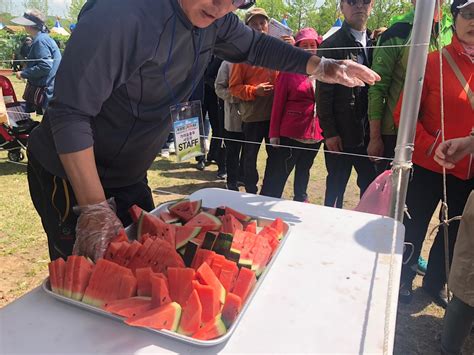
6,6
75,8
41,5
327,14
301,12
383,11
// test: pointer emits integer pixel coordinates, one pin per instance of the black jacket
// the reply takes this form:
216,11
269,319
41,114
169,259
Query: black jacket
342,111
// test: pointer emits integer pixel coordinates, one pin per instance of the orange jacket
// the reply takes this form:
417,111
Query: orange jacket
243,82
458,113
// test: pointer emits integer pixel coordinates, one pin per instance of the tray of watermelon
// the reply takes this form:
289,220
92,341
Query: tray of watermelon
183,270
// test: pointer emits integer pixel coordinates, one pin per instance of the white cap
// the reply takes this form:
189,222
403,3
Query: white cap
467,3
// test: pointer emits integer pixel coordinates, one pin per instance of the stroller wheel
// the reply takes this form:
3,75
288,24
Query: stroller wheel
16,155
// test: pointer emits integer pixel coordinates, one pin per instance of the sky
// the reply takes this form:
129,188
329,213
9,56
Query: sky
56,7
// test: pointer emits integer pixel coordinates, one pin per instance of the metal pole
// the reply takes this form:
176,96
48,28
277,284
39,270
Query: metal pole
402,163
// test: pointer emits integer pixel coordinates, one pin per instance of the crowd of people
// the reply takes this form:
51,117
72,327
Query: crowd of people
297,94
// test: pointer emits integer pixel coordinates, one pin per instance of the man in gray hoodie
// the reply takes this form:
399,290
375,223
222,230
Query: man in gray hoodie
125,64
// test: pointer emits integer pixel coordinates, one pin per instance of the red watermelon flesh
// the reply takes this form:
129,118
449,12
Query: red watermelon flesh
245,283
81,276
165,257
251,227
184,234
191,317
246,255
203,255
272,239
53,279
121,236
238,241
68,275
209,301
159,291
228,275
213,329
240,216
120,257
132,251
143,281
231,309
137,260
60,266
206,221
128,287
129,307
262,253
164,317
277,224
180,284
135,213
112,251
168,217
206,276
230,224
216,264
154,226
185,209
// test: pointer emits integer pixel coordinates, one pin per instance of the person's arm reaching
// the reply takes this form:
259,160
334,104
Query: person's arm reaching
452,151
239,43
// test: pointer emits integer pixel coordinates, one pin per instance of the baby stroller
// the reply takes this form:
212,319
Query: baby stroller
14,133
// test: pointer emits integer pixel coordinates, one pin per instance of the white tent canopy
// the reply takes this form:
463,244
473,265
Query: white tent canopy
337,25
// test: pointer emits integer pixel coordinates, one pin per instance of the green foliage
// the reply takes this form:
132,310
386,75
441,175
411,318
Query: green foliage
384,10
41,5
9,43
74,9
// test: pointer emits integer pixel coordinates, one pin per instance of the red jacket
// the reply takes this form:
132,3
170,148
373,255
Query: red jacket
293,109
458,114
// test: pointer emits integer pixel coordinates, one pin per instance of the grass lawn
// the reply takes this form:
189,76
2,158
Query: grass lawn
24,256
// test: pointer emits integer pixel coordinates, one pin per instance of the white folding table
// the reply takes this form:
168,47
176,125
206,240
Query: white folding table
325,293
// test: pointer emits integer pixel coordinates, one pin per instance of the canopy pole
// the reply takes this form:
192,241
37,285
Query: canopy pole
402,164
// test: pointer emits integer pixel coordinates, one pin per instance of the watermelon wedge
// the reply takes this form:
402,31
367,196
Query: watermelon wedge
180,284
230,224
164,317
209,301
231,309
206,221
189,253
185,209
251,227
57,269
159,291
143,276
245,283
68,275
168,217
277,224
135,213
129,307
184,234
121,236
262,254
207,277
240,216
81,276
213,329
191,317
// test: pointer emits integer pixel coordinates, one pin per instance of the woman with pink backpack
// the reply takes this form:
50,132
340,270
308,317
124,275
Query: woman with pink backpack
294,125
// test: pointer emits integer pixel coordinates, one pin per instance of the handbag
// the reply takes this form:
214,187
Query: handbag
34,95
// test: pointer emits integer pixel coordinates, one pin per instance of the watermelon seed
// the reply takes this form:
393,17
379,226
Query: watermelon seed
165,322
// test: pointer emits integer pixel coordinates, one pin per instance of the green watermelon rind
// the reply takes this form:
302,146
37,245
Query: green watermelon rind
214,221
198,203
191,236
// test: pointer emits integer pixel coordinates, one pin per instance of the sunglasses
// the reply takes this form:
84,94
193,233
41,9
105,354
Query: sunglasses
243,4
354,2
467,14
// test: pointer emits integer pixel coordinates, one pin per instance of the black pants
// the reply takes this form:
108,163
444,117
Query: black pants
339,168
280,164
254,132
425,191
458,322
234,155
54,199
389,143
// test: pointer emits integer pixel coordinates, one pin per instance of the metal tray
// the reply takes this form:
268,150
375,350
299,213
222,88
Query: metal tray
131,231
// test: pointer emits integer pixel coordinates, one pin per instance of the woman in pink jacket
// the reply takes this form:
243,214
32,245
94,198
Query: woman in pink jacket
293,123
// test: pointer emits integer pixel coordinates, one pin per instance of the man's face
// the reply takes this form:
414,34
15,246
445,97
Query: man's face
356,12
259,23
202,13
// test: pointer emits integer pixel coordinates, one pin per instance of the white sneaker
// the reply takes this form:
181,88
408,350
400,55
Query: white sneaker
165,153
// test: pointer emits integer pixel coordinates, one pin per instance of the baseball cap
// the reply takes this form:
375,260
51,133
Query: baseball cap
28,19
256,11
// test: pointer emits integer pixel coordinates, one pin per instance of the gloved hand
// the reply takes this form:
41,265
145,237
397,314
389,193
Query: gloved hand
344,72
96,226
275,141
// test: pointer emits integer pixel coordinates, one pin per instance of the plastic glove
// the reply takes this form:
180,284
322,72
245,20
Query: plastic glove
275,141
344,72
96,226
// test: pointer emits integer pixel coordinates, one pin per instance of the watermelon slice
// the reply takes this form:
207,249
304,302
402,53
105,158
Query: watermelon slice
180,284
245,283
205,274
137,260
189,253
164,317
112,251
121,236
209,301
209,240
120,256
262,254
202,255
191,317
143,281
206,221
128,287
251,227
53,279
184,234
68,276
277,224
216,264
228,274
168,217
166,256
133,249
81,275
154,226
185,209
237,245
159,291
231,309
135,213
211,330
129,307
240,216
223,244
60,266
246,255
230,224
